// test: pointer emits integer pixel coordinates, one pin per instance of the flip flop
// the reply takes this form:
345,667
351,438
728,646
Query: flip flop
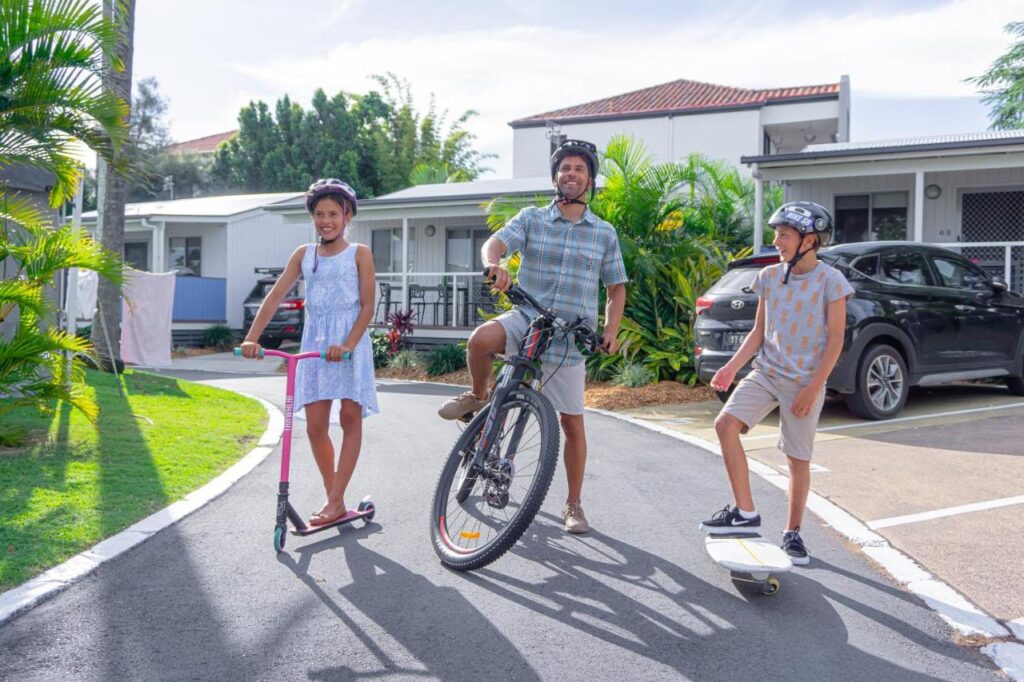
325,520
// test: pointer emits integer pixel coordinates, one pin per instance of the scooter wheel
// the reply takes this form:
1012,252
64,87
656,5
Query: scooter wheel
364,506
279,538
770,586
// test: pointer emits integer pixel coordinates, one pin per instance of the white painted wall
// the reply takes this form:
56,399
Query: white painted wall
942,216
256,240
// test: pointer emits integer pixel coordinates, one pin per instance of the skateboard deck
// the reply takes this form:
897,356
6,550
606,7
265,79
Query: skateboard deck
749,558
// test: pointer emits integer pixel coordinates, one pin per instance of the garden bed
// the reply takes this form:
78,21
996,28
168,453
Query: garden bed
599,394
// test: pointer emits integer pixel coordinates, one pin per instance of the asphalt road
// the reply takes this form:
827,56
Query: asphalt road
636,599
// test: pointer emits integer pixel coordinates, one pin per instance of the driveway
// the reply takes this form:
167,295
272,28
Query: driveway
944,482
635,599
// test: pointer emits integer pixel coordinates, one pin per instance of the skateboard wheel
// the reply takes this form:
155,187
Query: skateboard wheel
364,506
770,586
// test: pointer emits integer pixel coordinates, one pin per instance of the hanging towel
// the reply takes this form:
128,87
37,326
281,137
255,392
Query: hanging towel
88,281
146,324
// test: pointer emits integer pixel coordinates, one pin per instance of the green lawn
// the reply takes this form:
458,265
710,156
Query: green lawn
75,483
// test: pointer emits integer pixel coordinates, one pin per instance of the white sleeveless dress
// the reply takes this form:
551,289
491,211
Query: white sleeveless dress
332,305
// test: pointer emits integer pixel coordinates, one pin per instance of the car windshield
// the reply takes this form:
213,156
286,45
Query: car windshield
734,281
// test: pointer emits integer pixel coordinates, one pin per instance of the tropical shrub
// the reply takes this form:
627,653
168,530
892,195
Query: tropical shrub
219,336
400,325
381,348
404,359
446,359
633,375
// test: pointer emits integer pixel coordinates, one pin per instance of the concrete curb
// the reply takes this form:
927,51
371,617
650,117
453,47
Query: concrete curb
961,614
27,595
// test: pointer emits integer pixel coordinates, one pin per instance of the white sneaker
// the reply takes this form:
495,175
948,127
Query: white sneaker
575,520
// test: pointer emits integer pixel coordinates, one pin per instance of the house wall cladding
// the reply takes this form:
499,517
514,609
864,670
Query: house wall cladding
258,240
943,217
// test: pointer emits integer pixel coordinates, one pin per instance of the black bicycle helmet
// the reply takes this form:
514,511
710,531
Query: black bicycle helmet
805,217
582,149
328,186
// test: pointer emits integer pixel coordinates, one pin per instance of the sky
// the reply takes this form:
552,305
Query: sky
507,59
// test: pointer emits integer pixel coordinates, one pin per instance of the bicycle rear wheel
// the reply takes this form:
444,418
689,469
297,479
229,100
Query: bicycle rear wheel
475,519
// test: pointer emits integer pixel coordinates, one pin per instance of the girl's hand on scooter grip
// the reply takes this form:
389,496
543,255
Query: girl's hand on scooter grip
337,353
251,350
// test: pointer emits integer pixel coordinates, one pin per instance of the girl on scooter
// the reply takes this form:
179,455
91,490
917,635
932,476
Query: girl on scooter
340,285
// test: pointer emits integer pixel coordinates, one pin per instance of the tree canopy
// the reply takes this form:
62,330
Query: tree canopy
373,140
1002,86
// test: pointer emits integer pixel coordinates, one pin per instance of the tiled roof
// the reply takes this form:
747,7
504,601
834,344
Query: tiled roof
679,96
202,145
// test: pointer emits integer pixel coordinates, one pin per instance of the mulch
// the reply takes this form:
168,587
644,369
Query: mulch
599,394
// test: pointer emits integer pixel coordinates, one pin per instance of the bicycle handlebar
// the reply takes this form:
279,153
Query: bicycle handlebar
586,336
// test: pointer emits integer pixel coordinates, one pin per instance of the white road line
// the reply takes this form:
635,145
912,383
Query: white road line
948,511
860,425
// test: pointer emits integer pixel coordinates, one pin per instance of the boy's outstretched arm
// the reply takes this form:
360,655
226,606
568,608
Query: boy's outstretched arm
751,345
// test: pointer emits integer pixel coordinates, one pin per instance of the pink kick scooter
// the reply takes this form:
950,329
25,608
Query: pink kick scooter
285,510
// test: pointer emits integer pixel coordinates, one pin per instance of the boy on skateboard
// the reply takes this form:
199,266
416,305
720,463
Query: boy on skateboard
797,338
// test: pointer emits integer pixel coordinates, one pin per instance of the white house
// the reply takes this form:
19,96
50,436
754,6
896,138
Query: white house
961,191
426,247
684,116
214,244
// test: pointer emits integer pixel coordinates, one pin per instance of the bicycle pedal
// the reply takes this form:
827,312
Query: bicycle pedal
468,417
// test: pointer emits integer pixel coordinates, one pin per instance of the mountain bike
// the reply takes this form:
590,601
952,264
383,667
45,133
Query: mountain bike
500,469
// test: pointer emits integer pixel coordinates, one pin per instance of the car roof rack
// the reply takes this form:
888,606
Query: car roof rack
268,271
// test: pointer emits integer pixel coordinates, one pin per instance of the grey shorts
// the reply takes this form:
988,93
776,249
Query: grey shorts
564,386
758,394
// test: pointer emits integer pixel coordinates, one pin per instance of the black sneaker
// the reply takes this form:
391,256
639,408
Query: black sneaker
793,545
729,521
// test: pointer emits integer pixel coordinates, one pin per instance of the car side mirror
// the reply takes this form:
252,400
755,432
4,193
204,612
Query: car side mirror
999,284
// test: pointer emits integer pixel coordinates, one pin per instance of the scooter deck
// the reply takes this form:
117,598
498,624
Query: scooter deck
347,518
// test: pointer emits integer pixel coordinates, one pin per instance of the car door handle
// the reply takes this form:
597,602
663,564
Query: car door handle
964,308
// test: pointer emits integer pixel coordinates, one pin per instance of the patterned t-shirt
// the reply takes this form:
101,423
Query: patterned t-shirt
795,318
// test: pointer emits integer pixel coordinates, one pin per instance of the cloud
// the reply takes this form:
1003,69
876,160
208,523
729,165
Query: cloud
510,72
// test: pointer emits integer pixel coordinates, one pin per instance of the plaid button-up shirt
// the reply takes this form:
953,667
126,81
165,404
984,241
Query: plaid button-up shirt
563,264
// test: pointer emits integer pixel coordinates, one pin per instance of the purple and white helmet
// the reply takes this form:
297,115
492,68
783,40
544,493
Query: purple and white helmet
327,186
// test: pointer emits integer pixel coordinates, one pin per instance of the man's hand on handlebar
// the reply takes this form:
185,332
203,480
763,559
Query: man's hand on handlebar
499,277
609,342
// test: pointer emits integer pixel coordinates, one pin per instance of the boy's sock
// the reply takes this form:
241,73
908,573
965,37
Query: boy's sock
747,514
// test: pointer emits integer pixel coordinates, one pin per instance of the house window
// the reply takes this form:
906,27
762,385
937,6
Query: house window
387,249
462,250
136,255
187,255
881,216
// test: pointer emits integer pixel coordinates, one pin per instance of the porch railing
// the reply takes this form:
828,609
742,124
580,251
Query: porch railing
457,300
998,258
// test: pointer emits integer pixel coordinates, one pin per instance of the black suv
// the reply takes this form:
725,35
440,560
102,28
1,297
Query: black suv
921,315
286,324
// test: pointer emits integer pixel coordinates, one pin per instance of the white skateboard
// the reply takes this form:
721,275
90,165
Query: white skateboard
750,559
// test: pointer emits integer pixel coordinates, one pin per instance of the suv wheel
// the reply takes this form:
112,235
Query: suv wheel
1016,385
882,384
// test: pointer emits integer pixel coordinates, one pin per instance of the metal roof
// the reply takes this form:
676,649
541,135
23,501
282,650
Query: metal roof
470,192
989,138
201,207
679,96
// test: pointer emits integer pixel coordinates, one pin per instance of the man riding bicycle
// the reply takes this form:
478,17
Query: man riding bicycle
566,253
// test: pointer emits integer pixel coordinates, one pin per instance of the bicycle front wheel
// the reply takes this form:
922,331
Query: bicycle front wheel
477,518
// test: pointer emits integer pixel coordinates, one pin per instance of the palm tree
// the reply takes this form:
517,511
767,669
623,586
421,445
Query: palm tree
51,54
112,186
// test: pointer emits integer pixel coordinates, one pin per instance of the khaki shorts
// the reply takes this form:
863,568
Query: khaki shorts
758,394
564,385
